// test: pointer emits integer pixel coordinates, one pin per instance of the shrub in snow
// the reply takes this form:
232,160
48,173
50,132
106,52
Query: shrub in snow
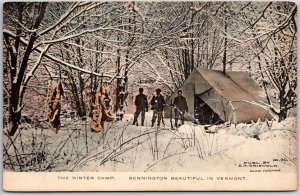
250,130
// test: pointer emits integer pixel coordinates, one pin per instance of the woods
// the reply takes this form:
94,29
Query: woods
85,47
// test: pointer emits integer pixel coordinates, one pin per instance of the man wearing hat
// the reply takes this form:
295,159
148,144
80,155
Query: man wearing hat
141,104
181,107
158,103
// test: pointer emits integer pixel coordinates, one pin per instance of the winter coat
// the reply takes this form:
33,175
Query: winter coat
180,103
141,101
158,103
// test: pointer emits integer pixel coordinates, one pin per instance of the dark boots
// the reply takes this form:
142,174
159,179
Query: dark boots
134,121
176,122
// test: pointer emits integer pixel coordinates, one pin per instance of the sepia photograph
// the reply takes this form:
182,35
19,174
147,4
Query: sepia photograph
149,96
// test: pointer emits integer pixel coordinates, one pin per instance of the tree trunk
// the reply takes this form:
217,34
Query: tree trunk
225,49
17,89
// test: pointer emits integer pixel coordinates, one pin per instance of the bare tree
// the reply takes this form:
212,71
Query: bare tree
34,38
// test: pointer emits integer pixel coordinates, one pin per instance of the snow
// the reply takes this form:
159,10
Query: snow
126,147
177,150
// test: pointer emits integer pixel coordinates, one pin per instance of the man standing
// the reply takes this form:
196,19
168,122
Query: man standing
158,103
180,106
141,104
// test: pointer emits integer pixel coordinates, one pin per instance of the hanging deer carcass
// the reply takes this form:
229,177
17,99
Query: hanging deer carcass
53,105
100,110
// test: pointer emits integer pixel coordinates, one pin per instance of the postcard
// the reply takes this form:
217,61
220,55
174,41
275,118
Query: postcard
150,96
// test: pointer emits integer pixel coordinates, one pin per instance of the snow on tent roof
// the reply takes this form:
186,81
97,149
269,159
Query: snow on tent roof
246,96
233,86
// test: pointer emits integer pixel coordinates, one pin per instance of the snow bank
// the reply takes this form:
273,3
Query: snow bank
126,147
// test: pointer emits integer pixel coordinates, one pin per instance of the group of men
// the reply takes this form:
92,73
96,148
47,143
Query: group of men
158,104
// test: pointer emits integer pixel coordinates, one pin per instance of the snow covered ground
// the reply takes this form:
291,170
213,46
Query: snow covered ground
125,147
191,149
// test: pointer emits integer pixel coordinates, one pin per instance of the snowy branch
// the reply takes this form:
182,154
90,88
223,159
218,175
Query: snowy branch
11,34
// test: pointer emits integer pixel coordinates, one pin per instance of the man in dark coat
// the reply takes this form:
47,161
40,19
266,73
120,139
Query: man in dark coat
141,104
158,103
180,107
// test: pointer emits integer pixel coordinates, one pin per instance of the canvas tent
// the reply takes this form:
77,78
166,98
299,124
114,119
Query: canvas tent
213,96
